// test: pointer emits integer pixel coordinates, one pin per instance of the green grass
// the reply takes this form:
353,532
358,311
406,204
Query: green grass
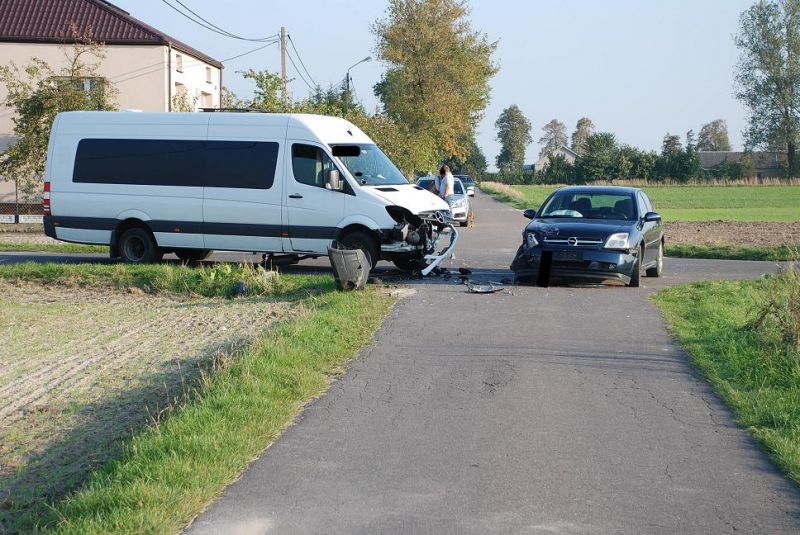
174,468
210,281
691,203
755,370
781,253
66,248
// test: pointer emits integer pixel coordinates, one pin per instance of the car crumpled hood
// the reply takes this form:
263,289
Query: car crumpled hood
561,228
410,197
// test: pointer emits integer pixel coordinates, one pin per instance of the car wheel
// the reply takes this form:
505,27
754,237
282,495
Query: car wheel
137,246
659,267
360,240
193,255
636,274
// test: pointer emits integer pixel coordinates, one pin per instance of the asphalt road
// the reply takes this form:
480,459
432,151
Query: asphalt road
537,410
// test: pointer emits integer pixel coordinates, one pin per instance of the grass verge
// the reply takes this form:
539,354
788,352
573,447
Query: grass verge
221,279
171,471
782,253
66,248
753,367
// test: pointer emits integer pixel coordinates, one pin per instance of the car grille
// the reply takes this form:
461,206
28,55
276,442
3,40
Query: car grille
573,242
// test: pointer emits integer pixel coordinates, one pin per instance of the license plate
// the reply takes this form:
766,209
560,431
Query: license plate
568,256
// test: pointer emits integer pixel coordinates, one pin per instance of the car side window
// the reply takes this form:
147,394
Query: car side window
642,205
310,165
650,207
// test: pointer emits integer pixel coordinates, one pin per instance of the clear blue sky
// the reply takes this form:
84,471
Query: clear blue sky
637,68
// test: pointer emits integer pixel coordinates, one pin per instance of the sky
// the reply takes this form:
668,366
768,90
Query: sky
637,68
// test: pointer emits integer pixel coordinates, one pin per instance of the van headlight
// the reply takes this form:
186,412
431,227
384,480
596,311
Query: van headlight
617,241
530,240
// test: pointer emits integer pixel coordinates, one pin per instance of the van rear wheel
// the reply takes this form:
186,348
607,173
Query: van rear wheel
137,246
193,255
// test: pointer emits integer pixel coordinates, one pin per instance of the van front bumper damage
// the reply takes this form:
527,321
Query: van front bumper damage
417,237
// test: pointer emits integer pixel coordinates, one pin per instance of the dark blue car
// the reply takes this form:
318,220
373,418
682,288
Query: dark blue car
591,234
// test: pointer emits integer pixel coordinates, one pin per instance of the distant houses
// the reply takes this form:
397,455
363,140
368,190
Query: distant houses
759,164
569,155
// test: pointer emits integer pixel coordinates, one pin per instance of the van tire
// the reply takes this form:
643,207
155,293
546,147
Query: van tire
193,255
137,246
365,242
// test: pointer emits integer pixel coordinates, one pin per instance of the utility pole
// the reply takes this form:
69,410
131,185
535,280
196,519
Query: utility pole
283,66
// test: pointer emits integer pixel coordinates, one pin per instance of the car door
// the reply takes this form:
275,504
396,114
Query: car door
313,210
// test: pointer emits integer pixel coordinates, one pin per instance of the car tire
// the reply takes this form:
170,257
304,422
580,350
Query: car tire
361,240
137,246
636,273
193,255
658,269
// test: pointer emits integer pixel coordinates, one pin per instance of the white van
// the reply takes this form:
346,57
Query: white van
287,185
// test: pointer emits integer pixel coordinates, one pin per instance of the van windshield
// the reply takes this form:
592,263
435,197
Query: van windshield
372,167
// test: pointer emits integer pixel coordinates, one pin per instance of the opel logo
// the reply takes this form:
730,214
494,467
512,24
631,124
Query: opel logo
572,241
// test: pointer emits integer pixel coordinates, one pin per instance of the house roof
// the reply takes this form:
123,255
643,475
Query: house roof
759,160
49,21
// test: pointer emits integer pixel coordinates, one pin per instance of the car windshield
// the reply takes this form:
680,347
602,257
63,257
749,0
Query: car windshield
428,183
589,205
466,179
372,167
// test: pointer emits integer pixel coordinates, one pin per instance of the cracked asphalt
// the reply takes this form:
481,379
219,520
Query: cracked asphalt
535,410
538,410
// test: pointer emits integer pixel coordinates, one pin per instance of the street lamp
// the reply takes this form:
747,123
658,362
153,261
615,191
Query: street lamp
347,81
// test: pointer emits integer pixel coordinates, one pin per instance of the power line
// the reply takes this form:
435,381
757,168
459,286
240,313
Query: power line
249,51
210,26
291,41
312,88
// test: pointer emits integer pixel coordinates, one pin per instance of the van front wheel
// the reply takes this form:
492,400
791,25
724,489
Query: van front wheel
360,240
137,246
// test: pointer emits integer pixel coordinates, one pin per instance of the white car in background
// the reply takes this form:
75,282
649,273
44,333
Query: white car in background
460,206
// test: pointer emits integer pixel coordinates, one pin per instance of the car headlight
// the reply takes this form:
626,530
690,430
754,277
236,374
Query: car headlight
458,203
617,241
530,239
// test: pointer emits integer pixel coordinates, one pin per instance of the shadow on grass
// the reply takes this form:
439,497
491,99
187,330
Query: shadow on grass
97,437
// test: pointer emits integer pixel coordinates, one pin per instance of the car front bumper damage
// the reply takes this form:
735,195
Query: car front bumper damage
581,264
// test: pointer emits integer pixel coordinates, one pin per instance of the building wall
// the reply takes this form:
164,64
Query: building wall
138,72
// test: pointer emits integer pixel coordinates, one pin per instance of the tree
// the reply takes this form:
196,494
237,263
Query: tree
514,135
599,159
181,101
671,145
439,69
768,75
267,95
37,93
714,136
557,171
554,137
475,163
583,129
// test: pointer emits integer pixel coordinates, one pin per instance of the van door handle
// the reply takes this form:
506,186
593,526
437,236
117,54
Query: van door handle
295,196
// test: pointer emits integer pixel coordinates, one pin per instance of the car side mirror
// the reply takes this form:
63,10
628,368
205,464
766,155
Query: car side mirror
651,217
530,213
334,180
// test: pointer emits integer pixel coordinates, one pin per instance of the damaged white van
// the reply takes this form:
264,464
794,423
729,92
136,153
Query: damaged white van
286,185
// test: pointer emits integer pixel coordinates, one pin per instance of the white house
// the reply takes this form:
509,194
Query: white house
568,154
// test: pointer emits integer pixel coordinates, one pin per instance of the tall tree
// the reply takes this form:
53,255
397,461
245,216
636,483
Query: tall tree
37,93
583,129
554,136
600,158
514,135
714,136
768,74
474,164
439,69
671,145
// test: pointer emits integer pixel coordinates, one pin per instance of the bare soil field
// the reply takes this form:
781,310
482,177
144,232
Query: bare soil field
81,369
747,234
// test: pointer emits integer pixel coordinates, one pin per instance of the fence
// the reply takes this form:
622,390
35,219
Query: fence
22,212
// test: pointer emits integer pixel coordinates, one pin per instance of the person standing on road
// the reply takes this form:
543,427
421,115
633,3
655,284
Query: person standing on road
445,184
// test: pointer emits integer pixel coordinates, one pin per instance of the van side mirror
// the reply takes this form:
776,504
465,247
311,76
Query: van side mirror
334,180
530,213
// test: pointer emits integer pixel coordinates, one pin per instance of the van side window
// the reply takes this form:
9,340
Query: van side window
191,163
310,165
